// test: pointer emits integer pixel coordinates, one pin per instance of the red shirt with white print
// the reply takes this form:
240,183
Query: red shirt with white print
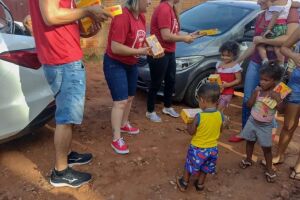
129,31
162,18
55,45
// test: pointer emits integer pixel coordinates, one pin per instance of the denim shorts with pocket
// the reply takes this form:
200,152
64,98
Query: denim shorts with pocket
121,78
294,84
68,84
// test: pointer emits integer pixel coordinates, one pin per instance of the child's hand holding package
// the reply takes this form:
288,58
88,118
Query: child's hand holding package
276,96
224,85
192,127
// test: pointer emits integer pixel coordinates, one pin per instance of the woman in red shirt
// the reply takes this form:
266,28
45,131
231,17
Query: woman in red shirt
165,25
125,43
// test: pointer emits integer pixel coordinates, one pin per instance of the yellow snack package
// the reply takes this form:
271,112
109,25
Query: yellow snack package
208,32
85,3
114,10
215,78
156,48
188,115
282,89
86,23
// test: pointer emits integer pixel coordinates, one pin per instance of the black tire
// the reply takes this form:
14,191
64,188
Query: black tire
190,97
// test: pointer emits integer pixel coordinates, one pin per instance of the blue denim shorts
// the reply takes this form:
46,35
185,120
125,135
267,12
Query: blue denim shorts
68,84
294,84
121,78
293,98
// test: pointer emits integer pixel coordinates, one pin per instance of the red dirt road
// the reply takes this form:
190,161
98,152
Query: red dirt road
148,172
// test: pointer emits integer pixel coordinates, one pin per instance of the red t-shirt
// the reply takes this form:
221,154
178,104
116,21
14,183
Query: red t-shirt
228,75
164,17
55,45
129,31
260,26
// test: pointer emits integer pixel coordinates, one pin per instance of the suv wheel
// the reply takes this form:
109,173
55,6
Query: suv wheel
190,97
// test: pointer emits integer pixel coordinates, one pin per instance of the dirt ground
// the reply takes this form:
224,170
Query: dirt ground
148,172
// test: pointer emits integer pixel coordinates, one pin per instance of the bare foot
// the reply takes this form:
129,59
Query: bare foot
278,160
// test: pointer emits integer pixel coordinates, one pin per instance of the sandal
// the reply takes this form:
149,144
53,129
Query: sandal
294,175
199,187
270,177
244,164
181,184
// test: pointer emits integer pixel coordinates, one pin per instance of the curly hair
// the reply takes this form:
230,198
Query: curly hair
272,70
232,47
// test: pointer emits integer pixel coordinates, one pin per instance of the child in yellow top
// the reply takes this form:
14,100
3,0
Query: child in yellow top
206,128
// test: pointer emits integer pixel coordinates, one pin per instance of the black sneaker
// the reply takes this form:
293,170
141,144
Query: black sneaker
75,158
69,178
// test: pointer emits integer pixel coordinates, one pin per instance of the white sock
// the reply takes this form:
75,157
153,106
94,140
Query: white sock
265,60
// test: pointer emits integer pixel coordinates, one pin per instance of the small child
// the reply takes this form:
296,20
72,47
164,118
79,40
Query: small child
230,73
28,25
276,21
259,125
206,128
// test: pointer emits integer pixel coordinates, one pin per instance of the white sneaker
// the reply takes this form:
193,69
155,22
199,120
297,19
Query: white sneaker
153,117
170,111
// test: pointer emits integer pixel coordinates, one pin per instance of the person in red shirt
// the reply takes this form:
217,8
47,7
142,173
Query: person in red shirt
126,40
57,39
165,26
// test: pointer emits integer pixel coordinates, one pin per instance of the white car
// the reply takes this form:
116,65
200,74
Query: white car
26,100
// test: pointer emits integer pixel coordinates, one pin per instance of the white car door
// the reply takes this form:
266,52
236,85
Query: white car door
24,91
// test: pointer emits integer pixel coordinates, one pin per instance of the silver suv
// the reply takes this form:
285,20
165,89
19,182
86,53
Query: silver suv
234,20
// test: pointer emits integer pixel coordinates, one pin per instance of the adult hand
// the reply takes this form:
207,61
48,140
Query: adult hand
93,30
265,35
189,38
159,55
258,40
296,59
98,14
196,34
144,51
28,24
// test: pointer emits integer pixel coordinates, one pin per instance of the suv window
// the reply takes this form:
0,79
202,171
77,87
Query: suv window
212,15
6,20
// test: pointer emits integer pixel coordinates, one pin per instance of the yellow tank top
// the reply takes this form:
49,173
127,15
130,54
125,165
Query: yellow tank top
208,130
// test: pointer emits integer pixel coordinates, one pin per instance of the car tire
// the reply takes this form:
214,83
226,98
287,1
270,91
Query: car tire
190,95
